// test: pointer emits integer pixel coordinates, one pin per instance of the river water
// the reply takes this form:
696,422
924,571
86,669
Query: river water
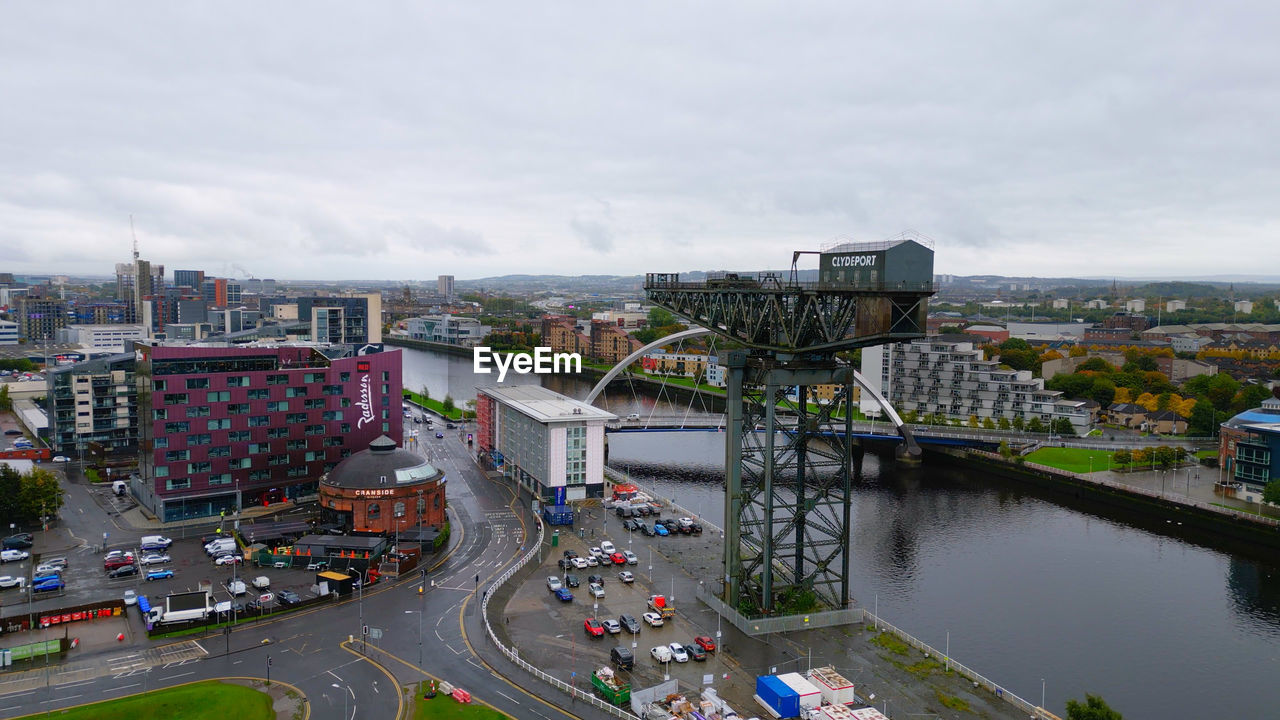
1030,586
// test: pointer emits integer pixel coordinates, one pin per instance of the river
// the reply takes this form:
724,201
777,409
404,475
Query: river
1030,586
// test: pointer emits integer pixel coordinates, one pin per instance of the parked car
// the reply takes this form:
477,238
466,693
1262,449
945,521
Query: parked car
646,531
678,652
61,458
563,595
595,552
58,562
313,565
235,559
123,571
705,642
571,581
669,524
630,623
45,578
12,431
13,555
595,579
570,554
12,581
289,597
579,563
618,559
439,435
607,547
695,652
660,530
49,586
661,653
154,559
630,557
653,619
48,569
117,562
130,597
592,562
16,542
262,582
611,626
593,627
553,583
684,522
626,576
160,574
596,590
236,587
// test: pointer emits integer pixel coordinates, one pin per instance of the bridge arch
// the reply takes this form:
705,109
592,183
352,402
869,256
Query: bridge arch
903,430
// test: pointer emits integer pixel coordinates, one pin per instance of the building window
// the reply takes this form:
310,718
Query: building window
197,411
437,501
162,471
373,512
197,383
217,396
178,484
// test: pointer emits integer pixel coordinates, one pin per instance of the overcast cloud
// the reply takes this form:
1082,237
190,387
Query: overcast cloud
404,140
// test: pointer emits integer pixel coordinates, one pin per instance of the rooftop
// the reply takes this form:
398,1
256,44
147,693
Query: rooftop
545,405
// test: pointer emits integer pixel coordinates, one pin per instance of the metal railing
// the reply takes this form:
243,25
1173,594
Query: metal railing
963,670
514,656
764,625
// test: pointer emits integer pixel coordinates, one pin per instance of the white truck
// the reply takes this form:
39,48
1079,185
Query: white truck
181,607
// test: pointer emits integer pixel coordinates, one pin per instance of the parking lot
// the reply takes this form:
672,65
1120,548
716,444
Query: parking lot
536,618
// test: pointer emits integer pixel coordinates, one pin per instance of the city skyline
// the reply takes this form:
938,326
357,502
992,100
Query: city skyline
409,143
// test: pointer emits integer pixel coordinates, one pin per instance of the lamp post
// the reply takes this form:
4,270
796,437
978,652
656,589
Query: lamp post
422,592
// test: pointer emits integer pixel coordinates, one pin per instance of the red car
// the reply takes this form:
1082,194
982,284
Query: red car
618,559
593,627
705,643
117,562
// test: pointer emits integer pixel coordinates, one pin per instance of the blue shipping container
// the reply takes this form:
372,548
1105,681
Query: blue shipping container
778,695
558,515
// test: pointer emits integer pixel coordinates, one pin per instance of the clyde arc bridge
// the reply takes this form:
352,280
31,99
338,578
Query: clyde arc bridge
790,465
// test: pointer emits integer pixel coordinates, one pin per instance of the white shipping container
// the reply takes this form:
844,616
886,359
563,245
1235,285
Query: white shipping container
834,687
810,696
868,713
833,712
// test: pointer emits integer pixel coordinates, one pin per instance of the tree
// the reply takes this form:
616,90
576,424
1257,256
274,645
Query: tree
1035,426
1271,493
973,421
1003,424
988,424
10,489
1015,344
1203,421
1063,427
1122,457
1251,396
659,317
426,394
6,402
1096,364
448,403
1018,423
1078,350
1103,391
1093,708
40,494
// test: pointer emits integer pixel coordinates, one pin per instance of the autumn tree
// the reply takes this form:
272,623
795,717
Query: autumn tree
1093,708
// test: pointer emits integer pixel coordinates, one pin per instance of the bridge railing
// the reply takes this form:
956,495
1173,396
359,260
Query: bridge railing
513,654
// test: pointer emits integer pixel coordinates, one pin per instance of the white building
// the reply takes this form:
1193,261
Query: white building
1175,305
8,332
102,336
1097,305
1135,306
549,444
715,374
448,329
1061,304
952,379
1244,306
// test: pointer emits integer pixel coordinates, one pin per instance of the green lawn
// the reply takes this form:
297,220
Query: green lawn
1071,459
210,700
443,707
436,405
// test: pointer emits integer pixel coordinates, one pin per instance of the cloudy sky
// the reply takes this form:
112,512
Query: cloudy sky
405,140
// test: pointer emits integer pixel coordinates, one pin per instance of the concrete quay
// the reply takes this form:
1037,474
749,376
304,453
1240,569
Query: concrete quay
904,682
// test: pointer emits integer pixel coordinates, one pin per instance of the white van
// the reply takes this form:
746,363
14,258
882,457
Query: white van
219,545
154,542
607,547
118,487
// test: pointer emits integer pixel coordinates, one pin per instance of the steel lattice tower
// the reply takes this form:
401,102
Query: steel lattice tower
790,467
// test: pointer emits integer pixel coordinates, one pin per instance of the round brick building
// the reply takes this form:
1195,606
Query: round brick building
383,489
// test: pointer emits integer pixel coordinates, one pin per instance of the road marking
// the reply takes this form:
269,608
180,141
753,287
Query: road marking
69,697
507,697
170,677
335,675
122,687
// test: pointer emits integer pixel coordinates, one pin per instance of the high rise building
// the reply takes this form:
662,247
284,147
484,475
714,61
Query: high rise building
193,279
93,403
344,319
39,317
444,286
222,427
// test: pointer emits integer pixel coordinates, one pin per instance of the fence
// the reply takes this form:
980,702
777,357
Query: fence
1135,490
964,671
514,656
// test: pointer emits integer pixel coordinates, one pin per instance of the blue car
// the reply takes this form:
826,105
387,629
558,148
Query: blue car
44,579
564,595
48,586
660,530
159,574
